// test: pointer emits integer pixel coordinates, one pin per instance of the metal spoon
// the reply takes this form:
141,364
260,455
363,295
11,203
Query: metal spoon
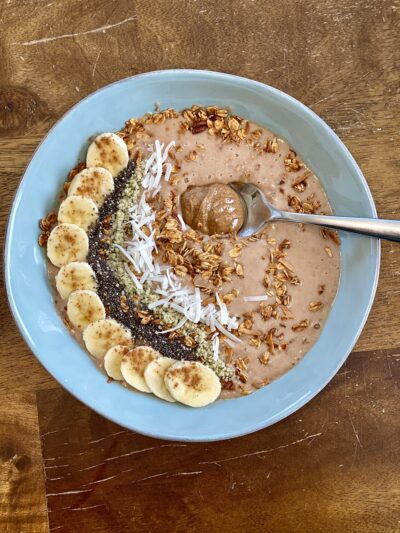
260,212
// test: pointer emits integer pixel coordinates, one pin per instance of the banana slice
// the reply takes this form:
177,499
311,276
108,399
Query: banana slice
112,361
75,276
133,365
78,210
93,182
154,377
102,335
67,242
83,308
108,151
192,383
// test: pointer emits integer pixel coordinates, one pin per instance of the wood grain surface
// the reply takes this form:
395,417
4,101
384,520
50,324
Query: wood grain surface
333,465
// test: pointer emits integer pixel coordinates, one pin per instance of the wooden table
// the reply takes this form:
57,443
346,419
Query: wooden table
333,465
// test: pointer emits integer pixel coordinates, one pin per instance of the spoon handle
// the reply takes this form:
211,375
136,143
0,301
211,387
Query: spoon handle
374,227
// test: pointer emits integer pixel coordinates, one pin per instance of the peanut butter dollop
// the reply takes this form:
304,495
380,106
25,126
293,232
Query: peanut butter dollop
213,209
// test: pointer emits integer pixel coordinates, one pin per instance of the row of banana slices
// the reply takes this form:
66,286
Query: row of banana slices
146,370
143,368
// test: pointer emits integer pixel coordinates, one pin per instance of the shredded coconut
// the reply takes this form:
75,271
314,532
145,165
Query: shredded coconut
261,298
141,252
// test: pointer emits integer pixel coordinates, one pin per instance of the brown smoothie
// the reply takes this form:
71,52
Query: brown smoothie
299,285
280,284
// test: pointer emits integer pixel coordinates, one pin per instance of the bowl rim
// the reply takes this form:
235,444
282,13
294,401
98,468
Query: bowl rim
235,79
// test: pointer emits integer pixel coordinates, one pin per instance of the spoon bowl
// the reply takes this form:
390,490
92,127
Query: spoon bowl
258,211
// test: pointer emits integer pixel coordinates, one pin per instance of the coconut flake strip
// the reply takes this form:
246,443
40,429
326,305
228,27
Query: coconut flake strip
260,298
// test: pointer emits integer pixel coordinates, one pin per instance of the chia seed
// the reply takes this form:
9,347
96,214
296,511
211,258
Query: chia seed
110,289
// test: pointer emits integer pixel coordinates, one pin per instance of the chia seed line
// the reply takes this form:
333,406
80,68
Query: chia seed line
111,290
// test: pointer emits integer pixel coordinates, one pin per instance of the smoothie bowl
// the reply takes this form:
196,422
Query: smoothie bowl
145,271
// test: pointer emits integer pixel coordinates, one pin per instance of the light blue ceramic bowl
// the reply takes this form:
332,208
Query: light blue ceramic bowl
31,298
